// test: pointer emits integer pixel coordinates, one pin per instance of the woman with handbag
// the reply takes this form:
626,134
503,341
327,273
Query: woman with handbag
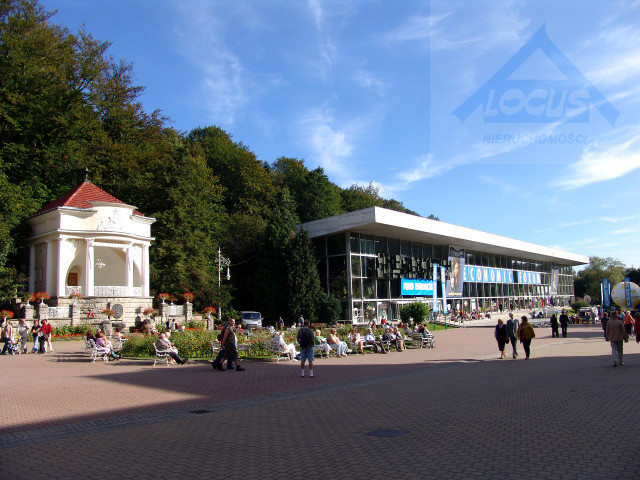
526,334
501,336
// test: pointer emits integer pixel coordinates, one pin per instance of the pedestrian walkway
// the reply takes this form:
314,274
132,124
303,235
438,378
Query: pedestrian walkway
453,412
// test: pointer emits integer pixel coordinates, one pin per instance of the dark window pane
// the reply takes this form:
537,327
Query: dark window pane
337,266
366,244
336,244
381,245
355,243
383,289
355,266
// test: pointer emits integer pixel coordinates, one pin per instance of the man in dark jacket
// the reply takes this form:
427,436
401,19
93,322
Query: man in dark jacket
564,321
512,330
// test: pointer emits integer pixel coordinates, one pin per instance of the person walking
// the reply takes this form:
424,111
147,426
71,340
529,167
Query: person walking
230,343
218,363
35,333
554,326
526,333
501,336
512,333
603,322
616,334
23,331
628,322
564,321
305,339
7,336
45,337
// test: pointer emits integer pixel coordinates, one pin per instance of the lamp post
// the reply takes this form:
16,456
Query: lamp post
222,261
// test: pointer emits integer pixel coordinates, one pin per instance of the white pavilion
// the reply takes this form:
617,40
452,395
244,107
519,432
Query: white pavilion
89,242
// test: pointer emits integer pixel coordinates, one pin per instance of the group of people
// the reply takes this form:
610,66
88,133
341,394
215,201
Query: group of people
228,348
164,343
104,344
40,334
564,323
617,331
514,332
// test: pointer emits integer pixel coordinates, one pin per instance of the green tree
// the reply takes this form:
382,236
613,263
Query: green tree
247,184
329,308
315,196
271,291
417,311
588,279
303,282
189,215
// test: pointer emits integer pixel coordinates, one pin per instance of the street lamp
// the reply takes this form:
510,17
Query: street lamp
222,261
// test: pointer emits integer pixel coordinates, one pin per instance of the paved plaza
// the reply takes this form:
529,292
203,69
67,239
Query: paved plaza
453,412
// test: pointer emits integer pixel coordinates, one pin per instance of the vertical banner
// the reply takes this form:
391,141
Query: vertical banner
606,293
627,292
435,288
555,276
443,282
457,259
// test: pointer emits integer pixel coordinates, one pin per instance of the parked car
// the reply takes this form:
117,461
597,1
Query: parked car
251,319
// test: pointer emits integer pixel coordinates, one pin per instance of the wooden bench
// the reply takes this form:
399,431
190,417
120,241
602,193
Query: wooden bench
273,346
100,352
424,340
162,355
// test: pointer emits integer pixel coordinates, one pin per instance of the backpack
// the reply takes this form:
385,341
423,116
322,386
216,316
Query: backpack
305,338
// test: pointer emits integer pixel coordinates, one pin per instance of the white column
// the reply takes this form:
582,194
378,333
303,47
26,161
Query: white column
48,283
89,268
129,273
62,270
32,267
145,270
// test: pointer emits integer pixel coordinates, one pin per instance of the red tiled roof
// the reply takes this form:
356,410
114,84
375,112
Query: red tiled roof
80,196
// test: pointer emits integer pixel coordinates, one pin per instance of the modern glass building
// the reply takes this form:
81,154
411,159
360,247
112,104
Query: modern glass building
375,260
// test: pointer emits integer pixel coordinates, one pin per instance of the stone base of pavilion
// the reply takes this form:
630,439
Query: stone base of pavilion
65,311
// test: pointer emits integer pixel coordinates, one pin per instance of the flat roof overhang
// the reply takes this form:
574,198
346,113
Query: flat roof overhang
389,223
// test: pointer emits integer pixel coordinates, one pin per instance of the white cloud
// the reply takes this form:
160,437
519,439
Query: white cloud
332,142
504,187
223,83
418,27
316,12
608,158
426,168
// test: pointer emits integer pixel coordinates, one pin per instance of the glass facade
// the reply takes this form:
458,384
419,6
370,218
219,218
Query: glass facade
365,272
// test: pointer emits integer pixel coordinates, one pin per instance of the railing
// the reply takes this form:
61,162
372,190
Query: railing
60,312
176,310
116,291
74,289
107,291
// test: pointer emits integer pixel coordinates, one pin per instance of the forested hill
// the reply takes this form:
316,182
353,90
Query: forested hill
65,104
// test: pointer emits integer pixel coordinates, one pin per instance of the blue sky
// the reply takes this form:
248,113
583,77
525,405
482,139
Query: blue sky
516,118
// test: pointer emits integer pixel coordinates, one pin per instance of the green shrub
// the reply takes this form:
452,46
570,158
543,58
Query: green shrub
196,324
576,306
417,311
81,329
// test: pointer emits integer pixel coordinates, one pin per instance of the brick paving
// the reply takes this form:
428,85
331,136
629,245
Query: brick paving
453,412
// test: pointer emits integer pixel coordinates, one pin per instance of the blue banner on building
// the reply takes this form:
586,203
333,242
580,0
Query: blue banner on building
500,275
627,291
606,293
435,287
421,288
